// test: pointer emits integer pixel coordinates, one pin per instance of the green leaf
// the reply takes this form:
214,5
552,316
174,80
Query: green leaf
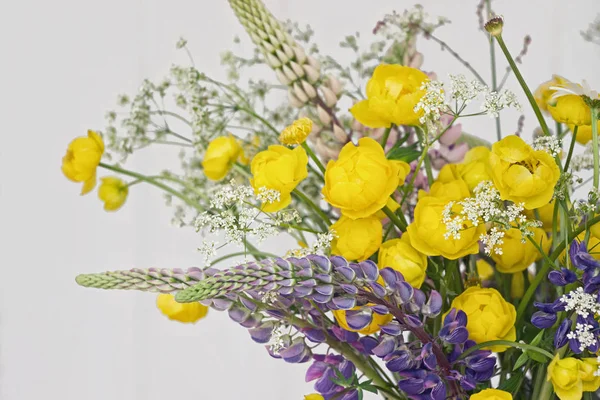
537,339
360,394
520,361
511,384
369,388
406,154
534,355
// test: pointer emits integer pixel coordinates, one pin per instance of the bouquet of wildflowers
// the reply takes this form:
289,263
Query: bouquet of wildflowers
430,264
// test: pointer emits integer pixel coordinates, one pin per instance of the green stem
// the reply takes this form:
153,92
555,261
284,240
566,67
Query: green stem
573,140
154,183
314,157
385,137
313,206
394,218
493,68
524,86
508,343
594,112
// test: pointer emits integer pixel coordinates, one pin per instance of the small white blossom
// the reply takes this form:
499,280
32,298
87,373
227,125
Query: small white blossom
495,102
433,103
549,144
463,91
208,249
181,43
583,303
268,196
585,335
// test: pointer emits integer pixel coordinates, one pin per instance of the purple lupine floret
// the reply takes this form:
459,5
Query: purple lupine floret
562,277
543,320
560,337
581,258
454,330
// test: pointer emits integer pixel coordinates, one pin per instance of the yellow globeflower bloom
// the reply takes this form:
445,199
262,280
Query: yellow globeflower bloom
473,170
572,110
400,255
82,159
565,375
357,239
588,367
489,316
113,192
484,270
281,169
584,132
313,396
521,174
492,394
543,94
182,312
517,256
428,229
297,132
220,155
362,179
392,94
374,326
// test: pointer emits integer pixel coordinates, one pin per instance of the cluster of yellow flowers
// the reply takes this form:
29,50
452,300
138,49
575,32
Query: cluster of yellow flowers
571,377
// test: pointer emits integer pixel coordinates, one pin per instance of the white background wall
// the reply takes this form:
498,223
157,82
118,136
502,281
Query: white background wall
62,63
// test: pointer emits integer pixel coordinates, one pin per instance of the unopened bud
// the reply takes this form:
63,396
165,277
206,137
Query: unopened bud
282,78
312,74
340,134
297,69
273,61
494,26
309,89
300,94
329,97
313,62
288,50
267,47
289,73
281,56
300,54
294,102
323,116
335,84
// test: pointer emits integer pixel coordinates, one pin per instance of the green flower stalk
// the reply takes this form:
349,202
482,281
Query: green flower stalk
147,280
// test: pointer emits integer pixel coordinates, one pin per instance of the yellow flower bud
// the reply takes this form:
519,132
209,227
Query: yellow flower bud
565,376
517,285
492,394
82,159
517,256
588,367
374,326
571,109
281,169
484,270
584,132
297,132
362,179
428,229
392,94
489,316
182,312
220,155
521,174
357,239
494,26
313,396
400,255
113,192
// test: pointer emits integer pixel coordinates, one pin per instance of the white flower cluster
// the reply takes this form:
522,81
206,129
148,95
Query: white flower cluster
495,102
486,206
276,343
396,27
432,104
463,91
322,243
549,144
583,303
268,196
585,160
235,211
585,335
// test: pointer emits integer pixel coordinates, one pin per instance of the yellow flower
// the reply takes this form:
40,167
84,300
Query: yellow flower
517,285
361,181
571,110
492,394
473,170
278,168
82,159
357,239
543,94
588,367
313,396
427,229
400,255
297,132
220,155
489,316
565,376
113,192
392,94
545,214
182,312
484,269
584,132
517,256
521,174
374,326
